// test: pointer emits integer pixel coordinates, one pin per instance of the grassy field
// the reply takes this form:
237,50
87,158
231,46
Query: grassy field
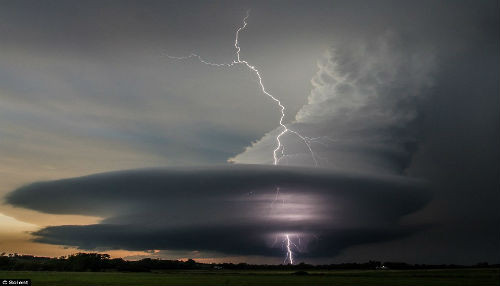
462,277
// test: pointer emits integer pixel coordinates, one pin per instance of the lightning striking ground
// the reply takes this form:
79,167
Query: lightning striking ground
284,129
289,249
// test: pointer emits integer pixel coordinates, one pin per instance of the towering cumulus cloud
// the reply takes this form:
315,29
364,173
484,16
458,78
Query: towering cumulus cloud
364,100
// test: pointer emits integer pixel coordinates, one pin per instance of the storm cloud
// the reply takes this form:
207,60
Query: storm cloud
393,90
233,210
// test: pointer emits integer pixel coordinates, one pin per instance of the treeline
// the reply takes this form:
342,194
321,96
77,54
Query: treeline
103,262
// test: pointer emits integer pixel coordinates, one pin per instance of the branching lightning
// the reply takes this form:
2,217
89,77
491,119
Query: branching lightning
284,129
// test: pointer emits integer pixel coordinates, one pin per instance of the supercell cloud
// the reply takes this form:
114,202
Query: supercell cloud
364,99
230,210
405,90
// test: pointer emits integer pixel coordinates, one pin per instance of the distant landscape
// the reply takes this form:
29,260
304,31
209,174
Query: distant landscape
98,262
100,269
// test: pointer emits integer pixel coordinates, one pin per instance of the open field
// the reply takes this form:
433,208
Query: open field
441,277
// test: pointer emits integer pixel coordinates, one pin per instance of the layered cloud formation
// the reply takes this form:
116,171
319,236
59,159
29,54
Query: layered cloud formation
230,210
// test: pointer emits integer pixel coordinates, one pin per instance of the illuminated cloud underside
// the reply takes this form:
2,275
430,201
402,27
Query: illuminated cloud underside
226,209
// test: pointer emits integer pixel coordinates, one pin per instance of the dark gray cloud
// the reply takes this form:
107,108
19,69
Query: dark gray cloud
231,210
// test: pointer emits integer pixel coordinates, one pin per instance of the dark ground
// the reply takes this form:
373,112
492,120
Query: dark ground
441,277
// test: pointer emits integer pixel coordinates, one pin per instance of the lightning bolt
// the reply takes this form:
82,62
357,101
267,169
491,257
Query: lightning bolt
262,87
289,252
284,129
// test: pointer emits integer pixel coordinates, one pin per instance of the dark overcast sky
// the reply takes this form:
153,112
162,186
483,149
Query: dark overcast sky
401,89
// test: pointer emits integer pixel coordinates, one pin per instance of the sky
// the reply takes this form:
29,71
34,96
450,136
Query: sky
113,139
